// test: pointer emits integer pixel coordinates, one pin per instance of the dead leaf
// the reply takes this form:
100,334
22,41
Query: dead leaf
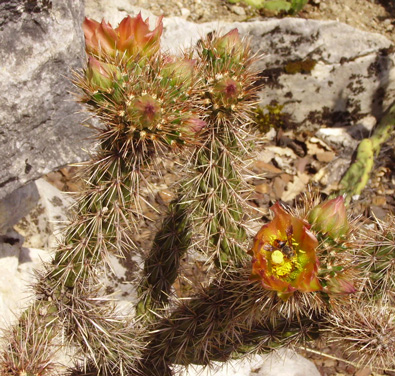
296,187
326,156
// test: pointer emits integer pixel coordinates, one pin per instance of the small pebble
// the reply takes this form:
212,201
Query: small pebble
185,12
238,10
165,196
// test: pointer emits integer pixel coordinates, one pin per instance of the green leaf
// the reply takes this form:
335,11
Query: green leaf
297,5
255,3
277,5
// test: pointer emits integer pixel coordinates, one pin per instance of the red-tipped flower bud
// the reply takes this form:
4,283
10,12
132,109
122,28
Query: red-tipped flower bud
339,285
179,72
330,218
228,42
131,38
193,125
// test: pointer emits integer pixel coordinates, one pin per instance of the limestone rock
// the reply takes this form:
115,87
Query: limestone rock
324,73
41,228
16,205
17,267
41,43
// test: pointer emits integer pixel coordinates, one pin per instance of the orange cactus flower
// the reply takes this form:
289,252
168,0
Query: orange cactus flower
284,256
131,37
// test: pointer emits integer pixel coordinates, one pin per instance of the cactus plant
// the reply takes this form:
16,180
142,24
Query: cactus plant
305,267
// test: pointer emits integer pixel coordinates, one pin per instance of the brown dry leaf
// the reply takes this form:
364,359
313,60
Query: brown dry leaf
262,166
262,188
296,187
326,156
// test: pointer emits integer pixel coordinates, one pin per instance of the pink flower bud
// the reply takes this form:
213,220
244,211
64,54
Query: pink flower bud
228,42
193,125
330,218
339,285
180,72
101,76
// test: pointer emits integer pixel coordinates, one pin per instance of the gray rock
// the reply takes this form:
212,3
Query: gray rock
324,73
41,228
41,43
16,205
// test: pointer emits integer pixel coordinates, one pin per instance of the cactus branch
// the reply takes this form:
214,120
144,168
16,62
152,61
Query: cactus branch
358,174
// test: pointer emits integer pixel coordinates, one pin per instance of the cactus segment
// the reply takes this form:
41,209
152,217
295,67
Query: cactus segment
358,174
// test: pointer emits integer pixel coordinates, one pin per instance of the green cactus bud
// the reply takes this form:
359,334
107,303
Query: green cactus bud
229,44
101,76
179,72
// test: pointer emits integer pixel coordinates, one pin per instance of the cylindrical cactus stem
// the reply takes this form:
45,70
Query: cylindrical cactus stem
376,259
358,174
216,191
29,344
142,99
161,266
216,204
232,316
365,330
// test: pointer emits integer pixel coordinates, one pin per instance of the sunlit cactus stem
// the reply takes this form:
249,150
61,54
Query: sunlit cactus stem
216,192
358,174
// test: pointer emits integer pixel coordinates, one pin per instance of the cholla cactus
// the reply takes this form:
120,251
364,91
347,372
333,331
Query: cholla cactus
302,272
215,193
145,112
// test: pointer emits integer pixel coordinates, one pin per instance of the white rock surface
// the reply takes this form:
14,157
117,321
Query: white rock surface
25,250
17,265
281,363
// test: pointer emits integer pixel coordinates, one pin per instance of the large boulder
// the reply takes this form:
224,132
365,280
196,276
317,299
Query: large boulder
41,43
322,73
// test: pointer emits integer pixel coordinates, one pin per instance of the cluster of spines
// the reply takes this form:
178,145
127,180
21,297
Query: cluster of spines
376,256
